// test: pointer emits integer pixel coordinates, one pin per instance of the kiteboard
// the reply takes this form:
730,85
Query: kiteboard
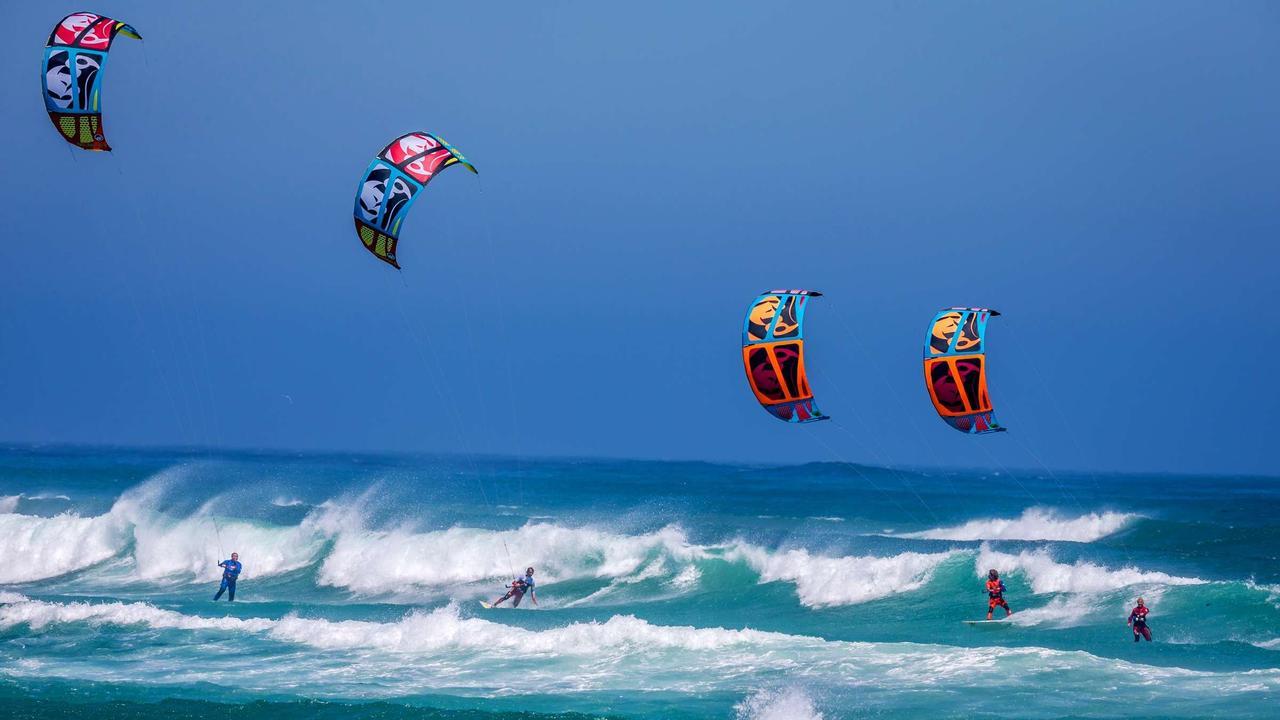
485,604
984,622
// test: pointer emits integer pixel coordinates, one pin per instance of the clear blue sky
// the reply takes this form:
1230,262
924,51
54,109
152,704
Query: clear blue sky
1103,173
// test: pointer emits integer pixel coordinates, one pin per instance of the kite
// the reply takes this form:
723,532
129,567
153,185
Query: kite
955,369
392,182
73,61
773,355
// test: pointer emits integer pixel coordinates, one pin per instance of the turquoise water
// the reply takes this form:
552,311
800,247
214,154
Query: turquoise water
671,590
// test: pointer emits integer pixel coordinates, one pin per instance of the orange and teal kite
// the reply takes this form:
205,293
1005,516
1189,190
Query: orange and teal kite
392,182
773,355
74,58
955,369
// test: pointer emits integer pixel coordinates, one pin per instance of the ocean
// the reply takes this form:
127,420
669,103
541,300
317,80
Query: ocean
665,589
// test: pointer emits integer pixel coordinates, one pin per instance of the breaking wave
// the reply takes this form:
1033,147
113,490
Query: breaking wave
1046,575
36,548
824,581
139,539
1033,524
444,629
150,544
368,561
634,653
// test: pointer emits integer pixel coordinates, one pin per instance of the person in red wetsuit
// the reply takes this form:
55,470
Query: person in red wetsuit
995,594
1138,621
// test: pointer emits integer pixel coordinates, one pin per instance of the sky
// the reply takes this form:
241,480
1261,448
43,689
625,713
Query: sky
1104,174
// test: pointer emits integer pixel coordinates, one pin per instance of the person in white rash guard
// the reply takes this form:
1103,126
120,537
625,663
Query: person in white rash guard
518,588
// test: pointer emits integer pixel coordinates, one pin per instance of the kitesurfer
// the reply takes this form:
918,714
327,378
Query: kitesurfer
1138,621
518,588
230,571
995,594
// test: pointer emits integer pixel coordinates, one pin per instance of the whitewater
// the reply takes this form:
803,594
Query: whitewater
687,590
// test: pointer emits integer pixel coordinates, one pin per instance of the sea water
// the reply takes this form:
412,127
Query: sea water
665,590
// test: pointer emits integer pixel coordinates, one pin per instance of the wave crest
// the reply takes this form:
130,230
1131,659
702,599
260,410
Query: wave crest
1033,524
823,581
1049,576
37,548
388,561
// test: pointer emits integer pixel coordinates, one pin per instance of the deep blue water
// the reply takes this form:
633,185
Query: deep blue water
673,590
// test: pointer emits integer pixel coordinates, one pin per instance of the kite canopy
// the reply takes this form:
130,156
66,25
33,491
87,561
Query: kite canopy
955,369
773,355
392,182
72,78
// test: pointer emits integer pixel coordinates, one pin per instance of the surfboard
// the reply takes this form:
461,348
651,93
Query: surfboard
983,622
484,604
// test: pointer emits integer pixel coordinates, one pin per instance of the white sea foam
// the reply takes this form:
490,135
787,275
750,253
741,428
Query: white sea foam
9,503
182,549
1049,576
784,704
283,501
168,550
622,652
390,561
441,630
1061,612
686,579
1272,591
824,580
369,561
35,548
38,614
656,569
190,548
1034,524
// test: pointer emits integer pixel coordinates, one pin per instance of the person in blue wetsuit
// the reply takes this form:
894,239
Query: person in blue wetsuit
230,571
518,588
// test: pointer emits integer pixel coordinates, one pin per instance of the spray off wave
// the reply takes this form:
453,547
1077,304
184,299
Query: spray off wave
375,562
460,562
1033,524
379,563
389,563
149,544
37,548
1049,576
786,704
823,581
